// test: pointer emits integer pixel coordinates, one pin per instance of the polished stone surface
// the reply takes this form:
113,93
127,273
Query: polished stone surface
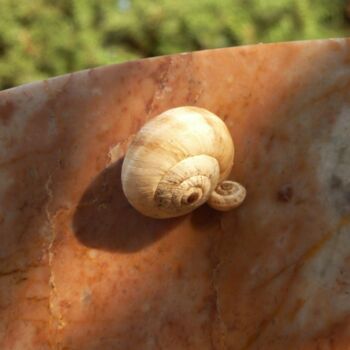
81,269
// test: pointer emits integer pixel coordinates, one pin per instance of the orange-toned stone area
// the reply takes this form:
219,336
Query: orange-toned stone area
81,269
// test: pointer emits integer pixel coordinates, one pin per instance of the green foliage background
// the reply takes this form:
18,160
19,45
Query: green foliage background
44,38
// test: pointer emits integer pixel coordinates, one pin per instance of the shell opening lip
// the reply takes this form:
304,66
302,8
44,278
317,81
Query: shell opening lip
192,198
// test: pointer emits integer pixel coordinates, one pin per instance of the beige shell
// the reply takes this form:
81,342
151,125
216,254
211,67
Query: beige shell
176,162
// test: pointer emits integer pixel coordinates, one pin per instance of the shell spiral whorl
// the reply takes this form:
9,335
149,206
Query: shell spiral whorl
188,184
176,162
227,195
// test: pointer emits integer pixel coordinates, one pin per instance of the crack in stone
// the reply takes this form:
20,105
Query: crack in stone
296,266
309,253
219,331
266,322
56,321
37,299
300,261
15,271
161,84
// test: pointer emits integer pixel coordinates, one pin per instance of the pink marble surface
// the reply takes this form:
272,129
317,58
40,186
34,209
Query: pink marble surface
81,269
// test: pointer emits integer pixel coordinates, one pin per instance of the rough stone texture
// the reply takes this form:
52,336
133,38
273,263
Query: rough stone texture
80,269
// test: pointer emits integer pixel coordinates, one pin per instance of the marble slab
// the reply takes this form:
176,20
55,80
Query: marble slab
81,269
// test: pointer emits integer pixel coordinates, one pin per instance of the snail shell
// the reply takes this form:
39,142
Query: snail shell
176,161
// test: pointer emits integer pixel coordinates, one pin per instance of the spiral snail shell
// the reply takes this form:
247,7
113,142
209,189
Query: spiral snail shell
178,161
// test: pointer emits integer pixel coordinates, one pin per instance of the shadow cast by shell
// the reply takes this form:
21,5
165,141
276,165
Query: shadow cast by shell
105,220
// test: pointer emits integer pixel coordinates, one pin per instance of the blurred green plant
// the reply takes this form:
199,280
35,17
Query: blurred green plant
44,38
